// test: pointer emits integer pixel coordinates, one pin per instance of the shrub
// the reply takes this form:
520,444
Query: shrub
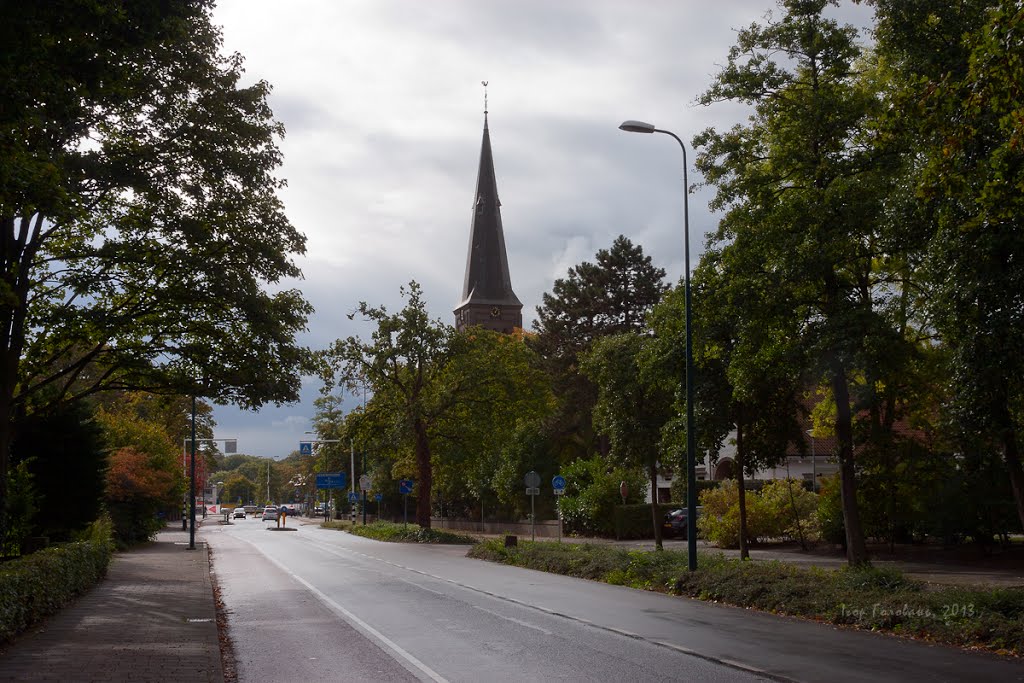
588,506
401,533
634,521
37,585
830,512
719,521
791,509
21,509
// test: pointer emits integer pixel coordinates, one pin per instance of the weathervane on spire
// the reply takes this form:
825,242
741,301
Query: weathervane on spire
484,83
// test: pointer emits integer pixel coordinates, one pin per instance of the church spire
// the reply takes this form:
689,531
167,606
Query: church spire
487,296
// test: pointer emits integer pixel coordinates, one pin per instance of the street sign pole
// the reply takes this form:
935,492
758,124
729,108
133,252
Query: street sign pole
533,519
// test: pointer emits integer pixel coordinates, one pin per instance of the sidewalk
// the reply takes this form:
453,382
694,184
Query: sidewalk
151,619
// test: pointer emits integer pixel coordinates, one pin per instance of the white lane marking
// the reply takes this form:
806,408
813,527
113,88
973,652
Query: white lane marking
514,620
429,590
433,675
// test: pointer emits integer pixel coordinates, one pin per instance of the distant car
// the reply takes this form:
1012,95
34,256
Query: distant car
290,511
238,513
675,525
250,509
270,514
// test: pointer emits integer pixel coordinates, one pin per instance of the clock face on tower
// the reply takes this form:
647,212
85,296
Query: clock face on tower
495,311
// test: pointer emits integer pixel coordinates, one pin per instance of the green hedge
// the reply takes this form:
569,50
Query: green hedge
37,585
634,521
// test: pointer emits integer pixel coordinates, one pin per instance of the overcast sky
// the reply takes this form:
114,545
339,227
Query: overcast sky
383,106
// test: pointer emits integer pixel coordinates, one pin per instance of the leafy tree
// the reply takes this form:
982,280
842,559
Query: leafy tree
975,174
67,457
502,395
139,213
632,407
403,363
442,401
611,296
138,487
748,361
238,487
801,191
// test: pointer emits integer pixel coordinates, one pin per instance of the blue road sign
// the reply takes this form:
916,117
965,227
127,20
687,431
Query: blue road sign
331,480
405,486
558,482
378,497
305,448
353,497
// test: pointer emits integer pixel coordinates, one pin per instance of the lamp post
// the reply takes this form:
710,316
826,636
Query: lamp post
814,463
691,448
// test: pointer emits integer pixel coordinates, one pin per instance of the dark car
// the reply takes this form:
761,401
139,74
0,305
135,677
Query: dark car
675,523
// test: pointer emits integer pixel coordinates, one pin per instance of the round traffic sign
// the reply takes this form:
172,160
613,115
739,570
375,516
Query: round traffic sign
558,482
532,480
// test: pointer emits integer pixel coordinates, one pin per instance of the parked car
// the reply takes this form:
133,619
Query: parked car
270,514
250,509
675,523
238,513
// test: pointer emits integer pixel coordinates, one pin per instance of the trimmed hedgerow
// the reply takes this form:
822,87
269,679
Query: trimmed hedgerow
37,585
868,598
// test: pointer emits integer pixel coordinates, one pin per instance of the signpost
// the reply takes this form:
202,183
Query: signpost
558,485
331,480
365,484
532,481
405,488
378,497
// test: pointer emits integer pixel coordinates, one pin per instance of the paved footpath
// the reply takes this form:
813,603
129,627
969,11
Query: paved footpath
153,618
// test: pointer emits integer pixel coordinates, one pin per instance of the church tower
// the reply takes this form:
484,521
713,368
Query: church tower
487,296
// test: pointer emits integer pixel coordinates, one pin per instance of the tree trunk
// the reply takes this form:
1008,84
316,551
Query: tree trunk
653,471
1008,435
740,462
424,475
856,551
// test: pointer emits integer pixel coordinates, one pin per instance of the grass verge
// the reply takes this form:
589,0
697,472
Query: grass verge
401,533
869,598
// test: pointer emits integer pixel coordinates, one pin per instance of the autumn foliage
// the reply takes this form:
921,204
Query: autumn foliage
137,490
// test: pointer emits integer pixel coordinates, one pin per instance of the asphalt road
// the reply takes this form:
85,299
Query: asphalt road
317,604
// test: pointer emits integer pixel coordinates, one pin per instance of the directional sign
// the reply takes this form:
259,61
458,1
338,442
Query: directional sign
365,482
353,497
305,448
405,486
532,480
558,483
331,480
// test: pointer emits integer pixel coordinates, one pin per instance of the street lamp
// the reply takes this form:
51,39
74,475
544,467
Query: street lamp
691,467
814,464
